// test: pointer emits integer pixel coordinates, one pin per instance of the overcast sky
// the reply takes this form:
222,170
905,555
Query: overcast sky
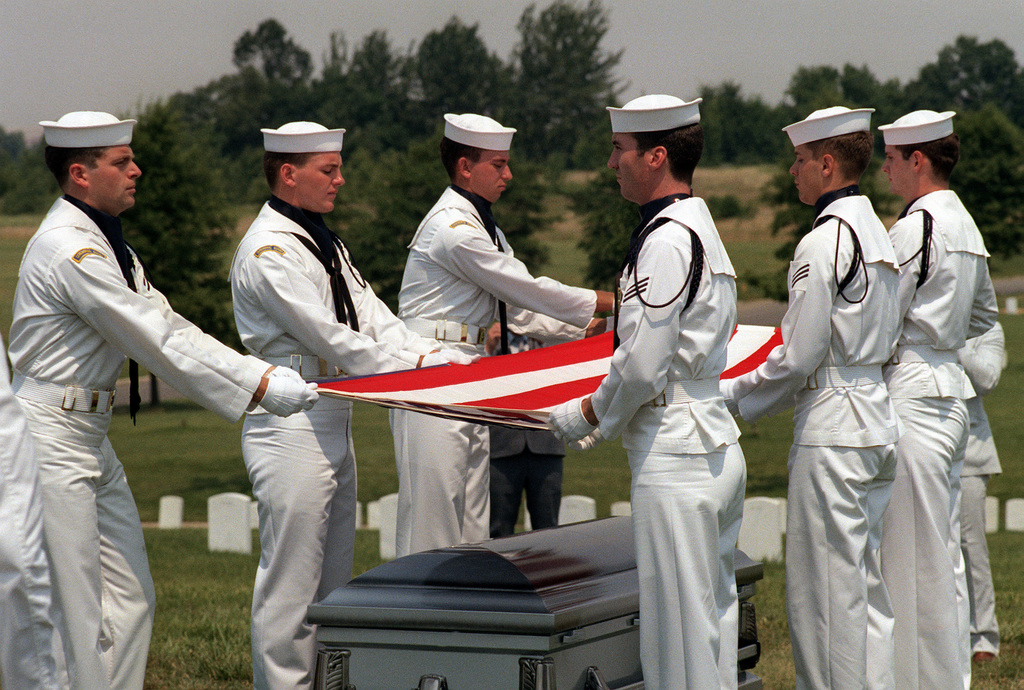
63,55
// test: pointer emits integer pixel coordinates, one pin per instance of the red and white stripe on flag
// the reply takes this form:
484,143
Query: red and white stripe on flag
518,390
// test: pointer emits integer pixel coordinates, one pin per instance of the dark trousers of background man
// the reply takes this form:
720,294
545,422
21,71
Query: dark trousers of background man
529,461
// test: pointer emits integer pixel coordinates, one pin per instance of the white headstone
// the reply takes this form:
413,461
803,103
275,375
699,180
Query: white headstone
760,536
621,508
388,507
1015,514
991,514
373,515
228,515
782,515
359,515
576,509
172,508
1011,305
254,514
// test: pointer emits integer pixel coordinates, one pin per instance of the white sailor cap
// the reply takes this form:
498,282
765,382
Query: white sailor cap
829,122
87,128
302,137
918,127
478,131
655,113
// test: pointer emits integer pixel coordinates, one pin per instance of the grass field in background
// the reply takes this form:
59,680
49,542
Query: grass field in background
201,630
201,633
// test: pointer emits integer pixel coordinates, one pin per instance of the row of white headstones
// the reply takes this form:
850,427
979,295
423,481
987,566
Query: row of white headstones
231,517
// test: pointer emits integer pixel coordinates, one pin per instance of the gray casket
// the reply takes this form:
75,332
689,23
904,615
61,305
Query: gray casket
545,610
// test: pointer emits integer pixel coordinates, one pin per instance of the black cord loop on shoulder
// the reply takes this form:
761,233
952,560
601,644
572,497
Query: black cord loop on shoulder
927,224
693,274
857,263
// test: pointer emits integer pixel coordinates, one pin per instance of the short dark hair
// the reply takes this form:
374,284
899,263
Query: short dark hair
852,152
273,160
684,145
943,153
452,151
59,160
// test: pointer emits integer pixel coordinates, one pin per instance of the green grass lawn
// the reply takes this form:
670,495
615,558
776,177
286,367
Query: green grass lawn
201,632
201,629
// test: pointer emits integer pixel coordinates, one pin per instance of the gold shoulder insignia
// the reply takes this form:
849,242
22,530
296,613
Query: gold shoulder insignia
461,222
268,248
87,251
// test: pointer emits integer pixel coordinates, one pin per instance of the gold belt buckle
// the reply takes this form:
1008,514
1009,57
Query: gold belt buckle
69,406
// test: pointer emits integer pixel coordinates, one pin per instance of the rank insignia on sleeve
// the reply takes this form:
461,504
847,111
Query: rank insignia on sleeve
87,251
268,248
798,272
461,222
636,289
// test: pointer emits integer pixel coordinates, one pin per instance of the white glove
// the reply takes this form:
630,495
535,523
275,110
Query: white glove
286,372
588,441
727,389
286,395
458,357
433,359
567,421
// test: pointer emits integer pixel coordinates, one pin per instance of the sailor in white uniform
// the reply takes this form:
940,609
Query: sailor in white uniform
82,305
984,359
945,297
840,327
460,276
677,312
300,303
26,629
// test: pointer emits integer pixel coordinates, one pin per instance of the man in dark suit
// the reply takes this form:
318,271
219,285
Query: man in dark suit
529,460
523,460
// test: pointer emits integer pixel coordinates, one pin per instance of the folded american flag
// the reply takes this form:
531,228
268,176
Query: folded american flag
518,390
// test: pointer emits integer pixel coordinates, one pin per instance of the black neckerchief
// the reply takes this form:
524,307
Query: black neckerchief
326,247
828,197
483,207
110,226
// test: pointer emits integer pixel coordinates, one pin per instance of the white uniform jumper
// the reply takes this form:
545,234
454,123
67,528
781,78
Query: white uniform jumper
26,632
453,280
75,320
921,560
842,462
688,474
302,467
983,358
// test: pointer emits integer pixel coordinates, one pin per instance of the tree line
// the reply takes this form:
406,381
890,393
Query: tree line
200,150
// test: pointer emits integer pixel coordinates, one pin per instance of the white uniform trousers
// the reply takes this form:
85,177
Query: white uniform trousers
26,630
686,520
303,475
921,560
443,482
981,594
103,590
840,616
